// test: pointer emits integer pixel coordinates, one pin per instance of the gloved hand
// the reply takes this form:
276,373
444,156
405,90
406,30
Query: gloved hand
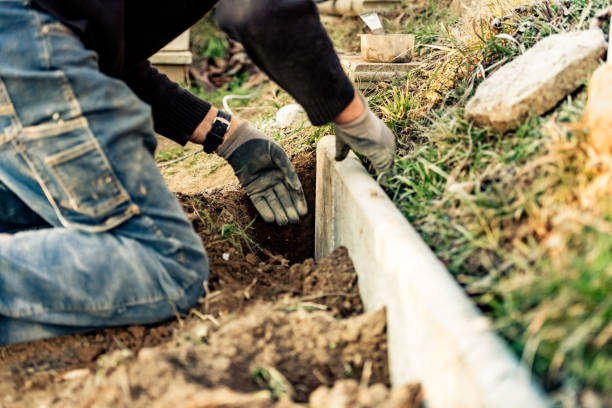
267,175
369,136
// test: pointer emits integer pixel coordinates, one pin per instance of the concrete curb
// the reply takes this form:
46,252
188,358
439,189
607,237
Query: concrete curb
436,335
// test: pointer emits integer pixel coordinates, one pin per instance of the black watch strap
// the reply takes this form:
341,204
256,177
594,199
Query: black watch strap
217,132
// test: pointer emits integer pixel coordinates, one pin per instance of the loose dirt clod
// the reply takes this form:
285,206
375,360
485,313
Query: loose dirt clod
348,394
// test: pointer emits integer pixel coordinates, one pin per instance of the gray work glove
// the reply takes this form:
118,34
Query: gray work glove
267,175
369,136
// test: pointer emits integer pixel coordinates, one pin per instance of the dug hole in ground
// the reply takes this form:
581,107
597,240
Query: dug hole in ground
276,329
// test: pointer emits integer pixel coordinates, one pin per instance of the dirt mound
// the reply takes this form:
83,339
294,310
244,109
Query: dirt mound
268,333
332,283
290,352
266,316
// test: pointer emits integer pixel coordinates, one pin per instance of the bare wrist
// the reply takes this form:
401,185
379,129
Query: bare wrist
352,111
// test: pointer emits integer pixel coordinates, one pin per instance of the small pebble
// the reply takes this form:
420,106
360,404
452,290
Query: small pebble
73,375
251,259
225,256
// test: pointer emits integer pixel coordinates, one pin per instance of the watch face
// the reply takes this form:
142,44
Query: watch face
220,128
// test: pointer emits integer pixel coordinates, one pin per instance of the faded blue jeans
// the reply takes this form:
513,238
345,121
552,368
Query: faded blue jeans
90,236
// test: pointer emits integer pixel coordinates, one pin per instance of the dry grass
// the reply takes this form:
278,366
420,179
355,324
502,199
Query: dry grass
523,220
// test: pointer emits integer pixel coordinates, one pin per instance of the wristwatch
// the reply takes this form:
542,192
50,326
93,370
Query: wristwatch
217,131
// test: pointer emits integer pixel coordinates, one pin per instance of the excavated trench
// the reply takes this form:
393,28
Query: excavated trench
276,329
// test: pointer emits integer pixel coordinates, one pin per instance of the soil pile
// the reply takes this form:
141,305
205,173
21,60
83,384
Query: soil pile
269,333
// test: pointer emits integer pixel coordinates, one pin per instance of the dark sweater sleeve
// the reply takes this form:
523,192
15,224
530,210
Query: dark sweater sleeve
176,111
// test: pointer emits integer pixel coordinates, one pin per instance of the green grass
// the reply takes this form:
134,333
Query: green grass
523,220
316,133
207,40
234,87
271,379
487,204
238,237
422,19
170,153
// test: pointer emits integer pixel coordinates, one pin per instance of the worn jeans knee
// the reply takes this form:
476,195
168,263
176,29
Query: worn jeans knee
75,148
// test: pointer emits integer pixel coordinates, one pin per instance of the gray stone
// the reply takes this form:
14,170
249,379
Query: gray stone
537,80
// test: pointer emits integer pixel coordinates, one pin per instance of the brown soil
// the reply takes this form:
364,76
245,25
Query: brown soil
269,333
197,173
230,205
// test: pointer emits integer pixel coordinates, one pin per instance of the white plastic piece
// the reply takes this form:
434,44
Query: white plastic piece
373,22
436,336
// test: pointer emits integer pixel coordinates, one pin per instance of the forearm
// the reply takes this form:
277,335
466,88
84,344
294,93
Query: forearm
287,41
176,112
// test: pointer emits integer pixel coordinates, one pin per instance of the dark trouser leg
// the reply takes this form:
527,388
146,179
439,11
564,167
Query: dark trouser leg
286,40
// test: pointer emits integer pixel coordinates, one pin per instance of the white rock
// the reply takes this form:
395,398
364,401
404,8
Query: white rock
537,80
291,116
